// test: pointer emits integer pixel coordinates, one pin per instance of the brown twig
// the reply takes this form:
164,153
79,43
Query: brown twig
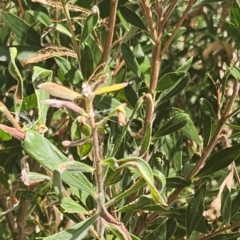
75,45
179,24
169,11
108,45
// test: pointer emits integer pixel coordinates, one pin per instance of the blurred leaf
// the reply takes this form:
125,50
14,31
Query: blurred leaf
176,123
86,62
235,33
78,231
44,152
220,160
226,205
21,29
207,108
90,24
130,60
195,209
70,206
84,149
131,17
4,136
159,233
209,1
169,80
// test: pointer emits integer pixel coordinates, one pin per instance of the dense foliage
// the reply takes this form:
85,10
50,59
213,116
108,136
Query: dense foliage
119,119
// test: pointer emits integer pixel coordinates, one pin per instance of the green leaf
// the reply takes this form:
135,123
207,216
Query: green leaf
86,62
235,72
195,209
44,152
24,33
220,160
90,24
41,75
13,70
139,184
159,233
235,204
130,60
117,231
176,89
235,14
78,231
176,123
147,139
169,80
209,1
70,206
146,173
41,17
177,182
226,205
226,236
4,136
234,32
171,228
185,67
74,166
131,17
207,129
207,108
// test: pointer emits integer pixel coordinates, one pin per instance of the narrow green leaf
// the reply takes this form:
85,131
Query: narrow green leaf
4,136
208,1
40,75
220,160
207,108
147,139
171,228
174,124
74,166
234,32
131,17
226,205
159,233
86,62
195,209
185,67
70,206
169,80
139,184
173,91
117,231
57,183
21,29
41,17
90,24
78,231
235,72
44,152
130,60
146,173
235,204
13,70
177,182
207,129
235,14
226,236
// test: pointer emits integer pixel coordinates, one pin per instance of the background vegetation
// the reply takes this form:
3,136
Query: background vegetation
119,119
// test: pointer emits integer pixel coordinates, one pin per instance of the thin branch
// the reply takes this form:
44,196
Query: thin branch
179,24
148,14
74,42
108,45
234,225
169,12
